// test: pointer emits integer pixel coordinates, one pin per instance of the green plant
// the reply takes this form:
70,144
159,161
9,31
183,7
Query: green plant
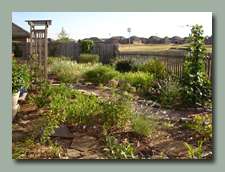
154,66
17,52
43,96
169,91
195,83
19,76
139,80
55,149
100,74
203,125
84,110
168,124
198,154
117,110
143,126
66,75
123,65
86,46
117,148
88,58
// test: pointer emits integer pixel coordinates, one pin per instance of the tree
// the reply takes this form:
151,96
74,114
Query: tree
196,84
63,36
151,37
166,37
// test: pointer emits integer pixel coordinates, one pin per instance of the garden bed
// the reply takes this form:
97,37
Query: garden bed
168,140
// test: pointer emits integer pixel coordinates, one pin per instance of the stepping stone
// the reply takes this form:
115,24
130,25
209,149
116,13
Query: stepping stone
17,135
83,142
61,142
171,147
72,153
62,131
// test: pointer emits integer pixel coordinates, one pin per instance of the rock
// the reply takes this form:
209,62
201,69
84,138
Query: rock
157,104
17,135
171,147
186,119
63,132
61,142
83,142
150,102
72,153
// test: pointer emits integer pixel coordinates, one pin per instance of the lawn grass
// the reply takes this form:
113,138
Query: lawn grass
158,47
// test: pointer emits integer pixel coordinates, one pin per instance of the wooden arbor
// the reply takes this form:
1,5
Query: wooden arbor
38,50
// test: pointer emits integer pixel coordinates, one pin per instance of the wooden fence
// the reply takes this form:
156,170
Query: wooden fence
174,60
73,50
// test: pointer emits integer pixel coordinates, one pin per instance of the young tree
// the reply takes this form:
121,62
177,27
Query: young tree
196,85
63,36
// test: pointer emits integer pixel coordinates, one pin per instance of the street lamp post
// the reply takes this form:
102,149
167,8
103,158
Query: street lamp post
129,30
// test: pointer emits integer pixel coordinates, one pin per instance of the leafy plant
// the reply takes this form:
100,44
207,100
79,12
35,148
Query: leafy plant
20,76
198,154
203,125
118,149
88,58
55,149
154,66
86,46
66,75
44,93
143,126
123,65
100,74
138,79
195,83
117,110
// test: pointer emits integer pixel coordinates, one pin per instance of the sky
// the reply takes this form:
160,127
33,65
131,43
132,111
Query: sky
80,25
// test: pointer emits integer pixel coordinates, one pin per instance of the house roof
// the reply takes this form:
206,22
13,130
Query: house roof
119,38
154,38
18,31
95,39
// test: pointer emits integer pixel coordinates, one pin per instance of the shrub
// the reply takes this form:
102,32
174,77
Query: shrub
66,75
88,58
166,91
169,92
202,125
138,79
124,65
117,110
143,126
86,46
154,66
100,74
20,76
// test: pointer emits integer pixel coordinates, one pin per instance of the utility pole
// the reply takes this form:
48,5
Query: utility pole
129,30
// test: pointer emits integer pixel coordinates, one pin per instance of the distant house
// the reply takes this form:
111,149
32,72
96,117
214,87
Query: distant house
94,39
134,40
154,40
19,34
115,40
103,39
144,40
176,40
208,41
165,41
